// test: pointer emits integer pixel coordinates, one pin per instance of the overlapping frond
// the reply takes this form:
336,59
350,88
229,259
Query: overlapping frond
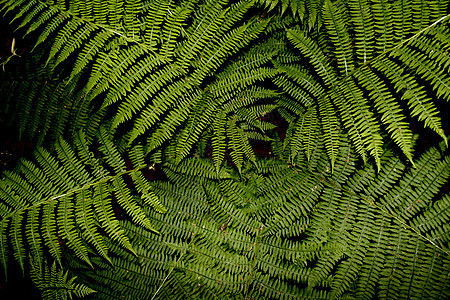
68,198
292,232
366,81
256,114
152,88
379,209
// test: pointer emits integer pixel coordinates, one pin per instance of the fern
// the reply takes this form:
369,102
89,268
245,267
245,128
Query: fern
334,235
143,85
66,189
55,283
228,149
344,93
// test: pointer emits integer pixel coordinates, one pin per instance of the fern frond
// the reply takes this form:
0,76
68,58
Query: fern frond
173,28
330,128
402,21
302,78
66,213
54,283
219,141
311,50
348,231
361,17
305,133
201,116
238,144
88,52
336,77
418,101
423,66
363,128
391,111
175,118
335,20
141,87
387,229
137,73
69,205
382,16
49,231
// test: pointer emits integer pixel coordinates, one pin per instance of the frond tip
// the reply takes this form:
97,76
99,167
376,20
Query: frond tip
54,283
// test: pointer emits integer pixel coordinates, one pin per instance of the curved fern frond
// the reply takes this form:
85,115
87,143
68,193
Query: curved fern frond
74,193
407,68
152,92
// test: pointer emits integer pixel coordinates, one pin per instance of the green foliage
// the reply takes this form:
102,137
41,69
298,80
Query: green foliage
291,232
350,69
55,283
228,149
66,197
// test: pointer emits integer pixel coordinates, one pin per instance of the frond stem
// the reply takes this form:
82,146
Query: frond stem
403,223
396,46
170,272
84,187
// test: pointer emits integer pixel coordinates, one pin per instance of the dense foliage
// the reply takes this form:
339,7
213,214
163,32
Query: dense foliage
221,149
